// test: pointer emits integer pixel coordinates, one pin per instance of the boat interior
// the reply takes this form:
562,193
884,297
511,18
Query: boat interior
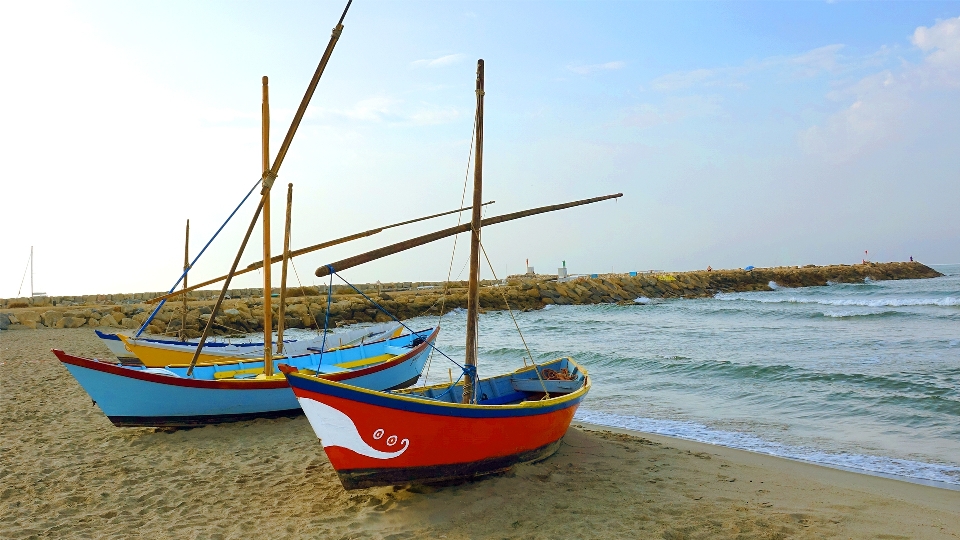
337,360
557,377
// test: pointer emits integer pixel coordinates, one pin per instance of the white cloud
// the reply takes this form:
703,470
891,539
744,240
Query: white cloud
942,43
388,109
812,62
372,109
431,115
592,68
806,64
943,35
880,103
673,110
889,105
683,79
442,61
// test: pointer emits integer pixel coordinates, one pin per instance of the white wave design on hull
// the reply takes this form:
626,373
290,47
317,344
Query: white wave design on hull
335,428
917,470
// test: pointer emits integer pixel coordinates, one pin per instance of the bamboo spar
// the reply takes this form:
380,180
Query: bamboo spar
473,285
369,256
303,251
270,176
281,313
267,281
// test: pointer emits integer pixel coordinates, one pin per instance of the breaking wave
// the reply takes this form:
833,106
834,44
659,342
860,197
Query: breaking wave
947,301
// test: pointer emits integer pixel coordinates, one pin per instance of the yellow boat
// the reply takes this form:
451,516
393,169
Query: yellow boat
162,353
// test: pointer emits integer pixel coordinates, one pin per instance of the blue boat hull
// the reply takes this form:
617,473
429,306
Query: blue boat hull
136,396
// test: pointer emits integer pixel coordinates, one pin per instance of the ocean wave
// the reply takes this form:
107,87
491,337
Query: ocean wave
846,314
934,472
918,393
948,301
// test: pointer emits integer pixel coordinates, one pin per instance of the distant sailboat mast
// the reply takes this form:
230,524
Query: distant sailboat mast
30,266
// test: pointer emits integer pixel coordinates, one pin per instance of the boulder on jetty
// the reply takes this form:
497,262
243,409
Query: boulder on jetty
307,308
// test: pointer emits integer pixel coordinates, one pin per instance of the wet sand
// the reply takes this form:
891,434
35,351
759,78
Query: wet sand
65,471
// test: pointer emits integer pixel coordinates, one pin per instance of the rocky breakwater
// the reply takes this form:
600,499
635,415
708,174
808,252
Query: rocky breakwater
627,288
307,307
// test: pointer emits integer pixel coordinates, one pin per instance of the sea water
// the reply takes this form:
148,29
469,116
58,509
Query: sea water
862,376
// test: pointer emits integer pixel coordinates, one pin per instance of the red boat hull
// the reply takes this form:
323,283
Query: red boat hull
377,438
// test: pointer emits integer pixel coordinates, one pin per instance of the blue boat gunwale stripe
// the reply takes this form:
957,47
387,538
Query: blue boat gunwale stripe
227,384
428,406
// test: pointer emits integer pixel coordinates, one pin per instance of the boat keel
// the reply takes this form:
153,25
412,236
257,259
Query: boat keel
364,478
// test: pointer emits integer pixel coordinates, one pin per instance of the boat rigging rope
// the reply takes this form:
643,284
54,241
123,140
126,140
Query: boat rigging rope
463,197
326,322
195,259
30,261
387,313
536,368
303,291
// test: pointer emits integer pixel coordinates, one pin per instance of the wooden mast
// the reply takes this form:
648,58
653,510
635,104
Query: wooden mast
473,287
269,176
186,266
281,313
267,281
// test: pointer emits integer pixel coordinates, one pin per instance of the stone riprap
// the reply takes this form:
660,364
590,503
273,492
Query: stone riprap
243,312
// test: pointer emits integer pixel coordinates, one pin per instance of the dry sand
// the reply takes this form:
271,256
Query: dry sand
67,472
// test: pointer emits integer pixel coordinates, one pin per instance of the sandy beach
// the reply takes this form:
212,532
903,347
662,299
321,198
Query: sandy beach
67,472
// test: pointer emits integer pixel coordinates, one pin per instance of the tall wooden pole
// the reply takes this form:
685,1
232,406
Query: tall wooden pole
186,266
267,281
473,287
270,174
282,312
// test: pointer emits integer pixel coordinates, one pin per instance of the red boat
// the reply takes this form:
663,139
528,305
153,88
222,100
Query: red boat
449,431
427,434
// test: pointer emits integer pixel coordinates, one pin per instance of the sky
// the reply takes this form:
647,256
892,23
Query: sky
740,133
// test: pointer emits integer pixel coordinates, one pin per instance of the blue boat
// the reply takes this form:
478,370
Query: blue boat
233,391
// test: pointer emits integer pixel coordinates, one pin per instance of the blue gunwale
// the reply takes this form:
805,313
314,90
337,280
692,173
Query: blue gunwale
238,384
412,403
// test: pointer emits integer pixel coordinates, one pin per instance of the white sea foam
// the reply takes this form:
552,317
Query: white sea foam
861,301
642,300
775,286
919,470
842,314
